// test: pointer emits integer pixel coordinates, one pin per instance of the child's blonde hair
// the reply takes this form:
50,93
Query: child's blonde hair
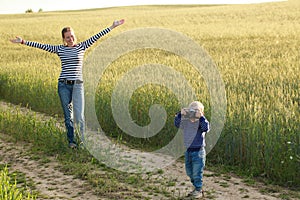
197,105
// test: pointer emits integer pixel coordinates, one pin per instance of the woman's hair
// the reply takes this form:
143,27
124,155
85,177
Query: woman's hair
64,30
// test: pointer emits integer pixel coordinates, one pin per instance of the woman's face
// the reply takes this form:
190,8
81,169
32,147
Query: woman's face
69,38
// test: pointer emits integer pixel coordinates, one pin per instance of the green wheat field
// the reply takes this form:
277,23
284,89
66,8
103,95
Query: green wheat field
255,48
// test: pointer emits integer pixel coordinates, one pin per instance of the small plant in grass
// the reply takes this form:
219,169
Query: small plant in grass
224,184
9,189
249,181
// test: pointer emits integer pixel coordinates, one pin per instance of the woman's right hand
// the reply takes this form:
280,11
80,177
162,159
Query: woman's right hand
17,40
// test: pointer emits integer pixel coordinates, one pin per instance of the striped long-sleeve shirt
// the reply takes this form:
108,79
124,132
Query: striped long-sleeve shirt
71,57
193,132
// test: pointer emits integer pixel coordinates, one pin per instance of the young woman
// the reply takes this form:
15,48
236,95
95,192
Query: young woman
70,81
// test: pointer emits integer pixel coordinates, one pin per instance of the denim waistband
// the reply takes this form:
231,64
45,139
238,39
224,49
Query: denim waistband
194,149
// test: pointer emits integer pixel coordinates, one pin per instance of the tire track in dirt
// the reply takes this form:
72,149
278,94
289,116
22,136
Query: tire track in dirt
53,184
49,182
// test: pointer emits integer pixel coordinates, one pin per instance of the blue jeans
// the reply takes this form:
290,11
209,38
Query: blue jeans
194,166
72,99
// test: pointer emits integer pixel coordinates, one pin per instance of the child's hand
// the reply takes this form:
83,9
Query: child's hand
183,112
199,114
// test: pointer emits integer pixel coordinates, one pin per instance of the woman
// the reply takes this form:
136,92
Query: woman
70,81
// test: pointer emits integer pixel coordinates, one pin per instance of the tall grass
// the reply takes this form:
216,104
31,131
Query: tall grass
256,49
9,189
46,139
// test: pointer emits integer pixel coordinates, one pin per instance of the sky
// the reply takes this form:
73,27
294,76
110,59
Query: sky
20,6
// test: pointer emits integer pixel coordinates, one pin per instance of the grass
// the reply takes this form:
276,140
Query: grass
256,50
80,163
10,188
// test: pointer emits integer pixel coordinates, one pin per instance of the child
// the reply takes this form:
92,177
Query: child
194,126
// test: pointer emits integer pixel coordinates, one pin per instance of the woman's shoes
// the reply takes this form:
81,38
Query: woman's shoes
72,145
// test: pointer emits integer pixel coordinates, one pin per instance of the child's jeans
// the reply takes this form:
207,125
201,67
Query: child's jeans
194,165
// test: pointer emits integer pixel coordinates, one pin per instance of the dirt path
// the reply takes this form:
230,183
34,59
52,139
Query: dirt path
53,184
220,187
49,182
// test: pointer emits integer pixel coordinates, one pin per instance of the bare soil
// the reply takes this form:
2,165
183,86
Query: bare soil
51,183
